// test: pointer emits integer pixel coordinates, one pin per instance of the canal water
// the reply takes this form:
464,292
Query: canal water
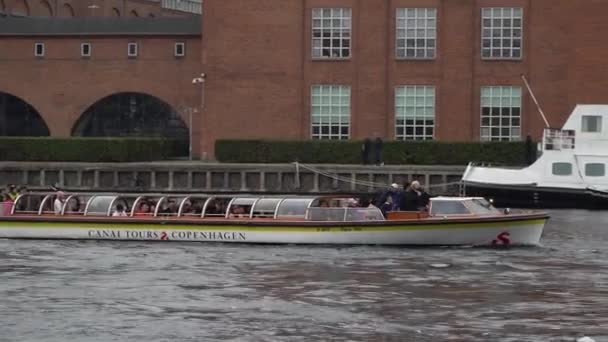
122,291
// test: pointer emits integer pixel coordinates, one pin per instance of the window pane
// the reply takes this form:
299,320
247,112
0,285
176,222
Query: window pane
501,33
331,30
500,113
592,123
595,170
416,32
414,112
562,169
330,111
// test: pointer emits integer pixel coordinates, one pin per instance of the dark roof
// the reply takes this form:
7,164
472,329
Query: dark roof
28,26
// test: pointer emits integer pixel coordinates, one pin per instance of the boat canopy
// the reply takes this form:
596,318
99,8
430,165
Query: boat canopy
311,208
446,206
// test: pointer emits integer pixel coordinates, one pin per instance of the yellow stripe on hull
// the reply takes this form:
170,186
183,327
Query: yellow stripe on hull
271,228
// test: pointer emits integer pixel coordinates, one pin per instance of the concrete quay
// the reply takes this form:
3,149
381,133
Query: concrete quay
187,177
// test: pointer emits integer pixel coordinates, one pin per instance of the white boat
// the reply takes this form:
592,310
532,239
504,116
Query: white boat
269,219
571,171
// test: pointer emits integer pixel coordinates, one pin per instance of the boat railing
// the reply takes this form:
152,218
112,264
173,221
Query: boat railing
202,206
558,139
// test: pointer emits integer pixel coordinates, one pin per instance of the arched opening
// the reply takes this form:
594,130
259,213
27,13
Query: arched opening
19,118
66,11
20,8
43,9
131,115
134,13
115,12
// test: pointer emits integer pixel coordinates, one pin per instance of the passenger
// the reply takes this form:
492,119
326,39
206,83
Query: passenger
74,205
423,197
394,194
197,208
409,201
187,208
6,204
59,202
143,210
238,211
12,192
120,211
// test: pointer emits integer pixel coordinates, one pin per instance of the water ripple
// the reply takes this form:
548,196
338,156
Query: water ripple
123,291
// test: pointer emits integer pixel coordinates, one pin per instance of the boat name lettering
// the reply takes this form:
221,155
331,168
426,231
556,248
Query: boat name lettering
158,235
222,236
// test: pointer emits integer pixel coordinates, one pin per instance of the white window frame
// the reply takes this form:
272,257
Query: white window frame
176,47
585,124
332,27
330,111
416,27
136,53
42,48
415,116
501,30
504,112
82,52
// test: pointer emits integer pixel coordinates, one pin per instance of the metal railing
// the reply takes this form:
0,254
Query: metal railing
191,6
557,139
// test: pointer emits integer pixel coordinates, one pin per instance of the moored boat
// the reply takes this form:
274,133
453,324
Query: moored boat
269,219
570,173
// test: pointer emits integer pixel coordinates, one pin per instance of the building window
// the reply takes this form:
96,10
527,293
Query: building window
331,32
562,169
500,113
330,111
180,49
415,112
39,49
595,170
85,49
416,32
501,33
132,50
592,124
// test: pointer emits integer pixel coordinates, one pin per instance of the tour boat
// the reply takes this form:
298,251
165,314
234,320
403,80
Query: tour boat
570,173
266,219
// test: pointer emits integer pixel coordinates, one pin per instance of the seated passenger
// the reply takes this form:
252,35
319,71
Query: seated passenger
187,208
143,210
58,203
120,211
238,211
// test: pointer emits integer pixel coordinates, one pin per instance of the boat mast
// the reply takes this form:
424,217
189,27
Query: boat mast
540,110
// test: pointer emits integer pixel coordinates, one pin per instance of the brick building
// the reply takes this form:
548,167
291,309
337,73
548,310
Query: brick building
324,69
99,8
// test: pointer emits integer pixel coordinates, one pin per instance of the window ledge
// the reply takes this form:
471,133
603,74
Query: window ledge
331,59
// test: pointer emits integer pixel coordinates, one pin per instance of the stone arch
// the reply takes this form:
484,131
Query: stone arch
66,11
115,12
43,9
19,118
20,8
133,13
131,114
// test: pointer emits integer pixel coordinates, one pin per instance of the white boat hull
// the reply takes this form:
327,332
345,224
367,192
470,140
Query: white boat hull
522,232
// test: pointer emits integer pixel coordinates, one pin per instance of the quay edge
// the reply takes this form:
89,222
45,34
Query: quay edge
196,176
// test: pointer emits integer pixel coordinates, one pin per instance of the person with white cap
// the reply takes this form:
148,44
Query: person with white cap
58,203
